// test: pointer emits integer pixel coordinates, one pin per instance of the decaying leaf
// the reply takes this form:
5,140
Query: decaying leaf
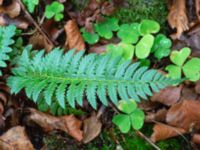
15,139
69,124
74,38
160,116
162,132
177,17
19,22
92,128
196,138
39,42
12,10
168,96
185,114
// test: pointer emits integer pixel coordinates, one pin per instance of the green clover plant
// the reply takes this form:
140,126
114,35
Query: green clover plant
190,68
135,39
131,116
54,10
161,46
30,4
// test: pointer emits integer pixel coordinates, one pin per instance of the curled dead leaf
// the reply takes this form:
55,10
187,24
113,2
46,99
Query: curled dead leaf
69,124
15,139
12,10
91,129
185,114
168,96
74,38
19,22
177,17
39,42
162,132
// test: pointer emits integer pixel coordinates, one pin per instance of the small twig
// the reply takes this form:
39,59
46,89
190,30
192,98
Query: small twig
42,20
147,139
34,23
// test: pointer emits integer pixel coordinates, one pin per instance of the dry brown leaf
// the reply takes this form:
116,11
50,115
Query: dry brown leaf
185,114
162,132
196,138
197,87
74,38
12,10
39,42
19,22
177,17
160,116
168,96
15,139
69,124
188,93
92,128
197,6
148,105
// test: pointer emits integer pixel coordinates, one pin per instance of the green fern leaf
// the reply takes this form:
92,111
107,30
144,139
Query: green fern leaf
6,35
72,76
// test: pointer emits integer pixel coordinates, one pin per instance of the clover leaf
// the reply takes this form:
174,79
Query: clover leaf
149,26
191,68
129,33
132,117
121,49
105,29
161,46
90,38
143,47
55,10
179,57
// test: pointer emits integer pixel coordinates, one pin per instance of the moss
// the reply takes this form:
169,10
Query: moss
136,10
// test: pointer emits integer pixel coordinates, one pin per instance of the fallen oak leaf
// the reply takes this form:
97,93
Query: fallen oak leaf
74,38
184,115
69,123
162,132
168,96
15,139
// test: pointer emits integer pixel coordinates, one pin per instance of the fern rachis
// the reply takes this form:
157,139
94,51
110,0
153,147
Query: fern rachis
69,76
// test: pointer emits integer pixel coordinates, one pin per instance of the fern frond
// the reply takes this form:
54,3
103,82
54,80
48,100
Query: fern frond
69,77
6,35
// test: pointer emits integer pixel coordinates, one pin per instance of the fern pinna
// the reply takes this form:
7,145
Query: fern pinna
6,35
70,76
